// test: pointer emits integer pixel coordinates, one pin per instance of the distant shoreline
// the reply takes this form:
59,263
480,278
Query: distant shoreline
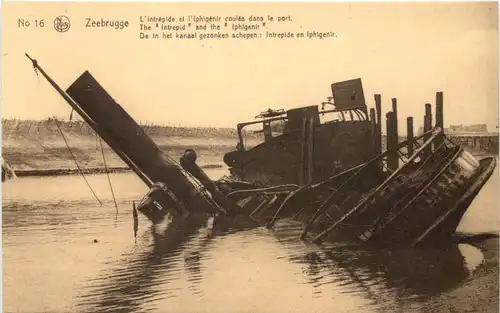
81,128
37,148
86,171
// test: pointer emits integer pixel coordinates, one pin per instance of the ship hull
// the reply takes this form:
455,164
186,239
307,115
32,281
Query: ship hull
435,214
421,202
337,147
449,221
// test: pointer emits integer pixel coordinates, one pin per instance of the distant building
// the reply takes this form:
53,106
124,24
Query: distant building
475,128
458,129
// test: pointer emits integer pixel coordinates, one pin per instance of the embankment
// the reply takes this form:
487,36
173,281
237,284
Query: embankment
38,148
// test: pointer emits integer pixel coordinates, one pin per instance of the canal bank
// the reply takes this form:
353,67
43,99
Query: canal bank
38,148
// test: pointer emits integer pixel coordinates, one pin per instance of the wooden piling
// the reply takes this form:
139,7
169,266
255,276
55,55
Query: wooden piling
395,119
373,122
439,116
392,142
427,127
388,130
395,140
378,133
395,128
439,110
409,131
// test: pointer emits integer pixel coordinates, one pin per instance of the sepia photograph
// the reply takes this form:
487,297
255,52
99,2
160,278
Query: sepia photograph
250,157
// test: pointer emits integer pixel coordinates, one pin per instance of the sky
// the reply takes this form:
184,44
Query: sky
407,51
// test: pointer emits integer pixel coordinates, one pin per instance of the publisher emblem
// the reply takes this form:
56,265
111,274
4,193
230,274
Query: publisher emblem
62,23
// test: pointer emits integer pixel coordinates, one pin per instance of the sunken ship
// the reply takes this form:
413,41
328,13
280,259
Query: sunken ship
329,175
339,137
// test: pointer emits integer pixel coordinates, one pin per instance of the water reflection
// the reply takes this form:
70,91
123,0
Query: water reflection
408,273
127,287
387,280
204,265
175,252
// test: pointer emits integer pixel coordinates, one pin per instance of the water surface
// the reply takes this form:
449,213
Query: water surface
63,252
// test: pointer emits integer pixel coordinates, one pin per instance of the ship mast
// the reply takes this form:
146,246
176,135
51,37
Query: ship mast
91,123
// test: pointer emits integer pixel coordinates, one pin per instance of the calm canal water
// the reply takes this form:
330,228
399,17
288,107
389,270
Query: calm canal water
52,264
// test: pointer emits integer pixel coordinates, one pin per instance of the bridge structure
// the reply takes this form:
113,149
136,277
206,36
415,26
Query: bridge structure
483,141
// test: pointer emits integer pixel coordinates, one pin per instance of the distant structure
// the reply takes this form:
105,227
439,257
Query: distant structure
475,128
462,129
474,136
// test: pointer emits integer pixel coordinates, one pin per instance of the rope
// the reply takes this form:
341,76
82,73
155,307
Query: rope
74,159
109,178
262,189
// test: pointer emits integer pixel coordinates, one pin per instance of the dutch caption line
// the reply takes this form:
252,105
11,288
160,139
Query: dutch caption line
217,27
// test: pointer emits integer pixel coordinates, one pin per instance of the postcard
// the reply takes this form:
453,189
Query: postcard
250,157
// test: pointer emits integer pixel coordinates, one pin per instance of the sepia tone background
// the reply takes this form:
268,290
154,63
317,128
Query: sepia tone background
62,252
403,50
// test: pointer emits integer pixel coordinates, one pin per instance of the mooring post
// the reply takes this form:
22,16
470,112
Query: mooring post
392,156
378,133
439,116
387,132
427,128
395,119
409,130
395,141
395,130
373,123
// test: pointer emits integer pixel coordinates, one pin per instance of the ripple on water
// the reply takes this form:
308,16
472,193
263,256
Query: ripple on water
194,265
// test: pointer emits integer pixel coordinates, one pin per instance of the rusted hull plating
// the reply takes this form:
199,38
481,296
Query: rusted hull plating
436,212
337,147
424,200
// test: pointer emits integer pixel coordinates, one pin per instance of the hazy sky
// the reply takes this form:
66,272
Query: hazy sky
404,50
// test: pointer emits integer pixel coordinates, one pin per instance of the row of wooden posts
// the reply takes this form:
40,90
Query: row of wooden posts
392,136
376,122
484,142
